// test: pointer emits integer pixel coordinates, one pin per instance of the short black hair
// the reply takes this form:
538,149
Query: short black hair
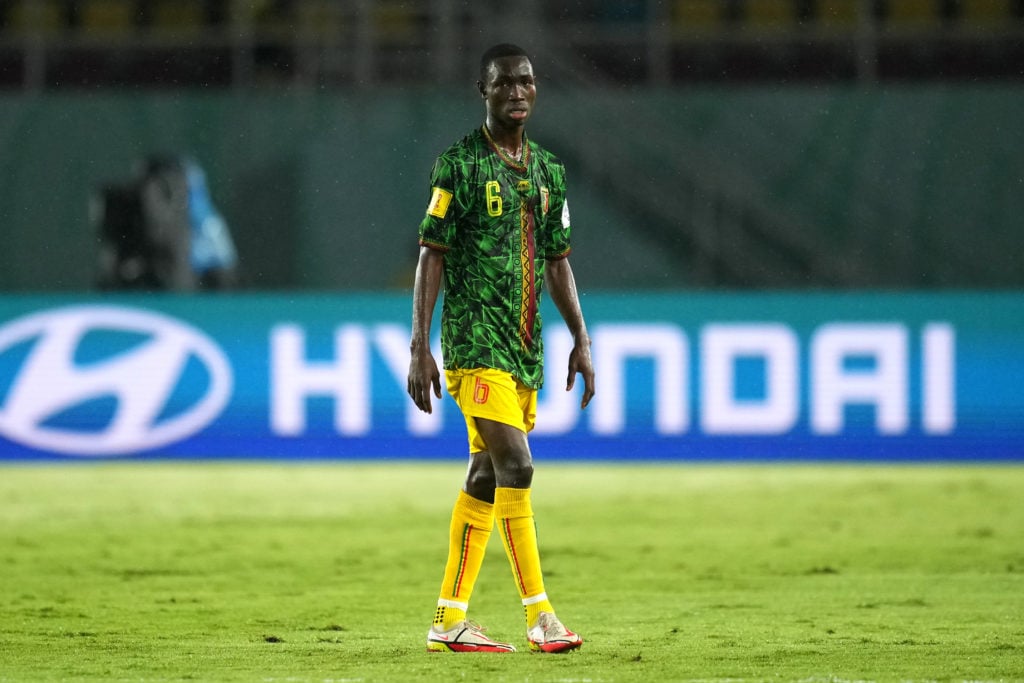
497,52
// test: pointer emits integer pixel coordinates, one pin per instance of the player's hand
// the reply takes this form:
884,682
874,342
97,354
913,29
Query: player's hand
580,362
423,375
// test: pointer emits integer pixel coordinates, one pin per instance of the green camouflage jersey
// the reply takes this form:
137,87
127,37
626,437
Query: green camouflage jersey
498,221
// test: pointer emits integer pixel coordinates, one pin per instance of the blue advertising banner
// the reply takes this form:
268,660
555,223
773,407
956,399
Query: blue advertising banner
681,376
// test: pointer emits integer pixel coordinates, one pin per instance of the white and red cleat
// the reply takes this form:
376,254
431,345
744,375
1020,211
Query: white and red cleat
550,635
465,636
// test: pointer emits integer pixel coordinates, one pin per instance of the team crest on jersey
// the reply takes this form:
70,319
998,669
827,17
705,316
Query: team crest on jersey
439,202
545,200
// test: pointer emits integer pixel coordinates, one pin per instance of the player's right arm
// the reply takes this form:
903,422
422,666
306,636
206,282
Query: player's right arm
423,372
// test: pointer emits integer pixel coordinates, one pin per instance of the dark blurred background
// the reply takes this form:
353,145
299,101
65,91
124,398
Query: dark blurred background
709,143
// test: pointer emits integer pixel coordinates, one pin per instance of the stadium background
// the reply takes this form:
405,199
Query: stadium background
825,151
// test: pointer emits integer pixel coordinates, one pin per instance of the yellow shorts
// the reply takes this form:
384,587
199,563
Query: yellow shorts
493,395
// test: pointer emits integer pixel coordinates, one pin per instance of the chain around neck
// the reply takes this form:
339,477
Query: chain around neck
518,161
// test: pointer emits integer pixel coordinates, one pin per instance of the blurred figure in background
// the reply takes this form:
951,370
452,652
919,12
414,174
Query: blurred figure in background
212,253
161,231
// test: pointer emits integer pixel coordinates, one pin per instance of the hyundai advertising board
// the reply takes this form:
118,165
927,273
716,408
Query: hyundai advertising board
679,377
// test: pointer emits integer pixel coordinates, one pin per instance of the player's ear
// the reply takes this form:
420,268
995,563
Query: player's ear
480,87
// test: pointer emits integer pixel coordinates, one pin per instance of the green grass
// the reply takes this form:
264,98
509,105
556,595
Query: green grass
269,572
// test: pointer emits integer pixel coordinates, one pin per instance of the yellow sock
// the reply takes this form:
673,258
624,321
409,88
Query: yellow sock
471,524
519,536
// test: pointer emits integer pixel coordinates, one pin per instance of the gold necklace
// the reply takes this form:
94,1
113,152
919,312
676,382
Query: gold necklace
517,160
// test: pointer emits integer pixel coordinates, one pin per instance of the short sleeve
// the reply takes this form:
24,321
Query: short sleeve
556,241
437,230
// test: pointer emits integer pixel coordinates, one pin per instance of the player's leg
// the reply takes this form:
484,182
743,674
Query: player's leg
513,472
470,528
480,481
469,531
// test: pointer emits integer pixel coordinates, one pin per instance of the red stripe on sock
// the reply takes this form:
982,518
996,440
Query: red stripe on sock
466,533
512,553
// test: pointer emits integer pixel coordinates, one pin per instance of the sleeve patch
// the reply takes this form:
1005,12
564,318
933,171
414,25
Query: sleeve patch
565,214
439,202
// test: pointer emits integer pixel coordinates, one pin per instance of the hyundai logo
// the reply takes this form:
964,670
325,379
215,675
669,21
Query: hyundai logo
65,362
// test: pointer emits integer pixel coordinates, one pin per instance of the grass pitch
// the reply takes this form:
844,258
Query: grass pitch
311,572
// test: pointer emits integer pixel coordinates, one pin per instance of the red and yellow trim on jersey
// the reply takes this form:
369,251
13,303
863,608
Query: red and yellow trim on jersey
434,245
527,259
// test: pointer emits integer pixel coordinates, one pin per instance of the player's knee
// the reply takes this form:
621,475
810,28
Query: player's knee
516,472
480,483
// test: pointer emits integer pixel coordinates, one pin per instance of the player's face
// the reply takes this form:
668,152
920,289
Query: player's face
510,91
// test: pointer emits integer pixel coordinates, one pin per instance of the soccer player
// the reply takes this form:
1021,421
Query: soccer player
496,231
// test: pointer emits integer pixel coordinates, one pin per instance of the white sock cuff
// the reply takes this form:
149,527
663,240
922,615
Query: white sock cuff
534,599
454,604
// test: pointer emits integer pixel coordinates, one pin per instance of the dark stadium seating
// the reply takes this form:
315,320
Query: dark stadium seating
334,43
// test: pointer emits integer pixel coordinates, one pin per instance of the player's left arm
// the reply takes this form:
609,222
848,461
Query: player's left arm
561,286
